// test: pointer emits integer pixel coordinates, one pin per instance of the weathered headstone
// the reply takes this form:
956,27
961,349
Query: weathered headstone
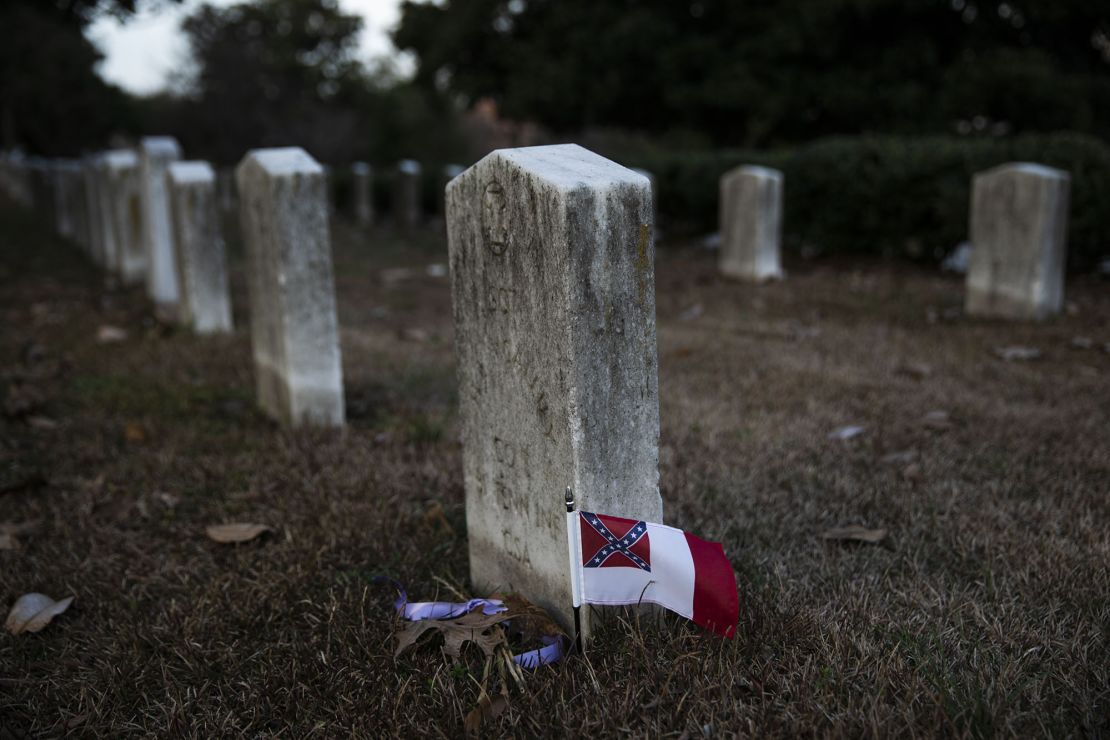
155,154
90,173
406,194
363,193
64,216
204,304
751,223
294,330
1019,223
126,255
553,285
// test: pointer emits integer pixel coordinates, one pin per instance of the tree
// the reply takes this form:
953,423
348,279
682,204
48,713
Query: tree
286,72
51,99
762,72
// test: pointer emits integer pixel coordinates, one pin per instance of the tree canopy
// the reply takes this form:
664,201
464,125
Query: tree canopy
759,72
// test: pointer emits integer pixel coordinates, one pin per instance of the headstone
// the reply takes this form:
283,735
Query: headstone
126,255
156,153
90,178
553,285
76,205
751,223
406,194
1019,223
294,330
204,304
363,193
63,196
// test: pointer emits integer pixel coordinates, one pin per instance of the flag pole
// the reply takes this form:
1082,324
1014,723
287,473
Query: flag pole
575,566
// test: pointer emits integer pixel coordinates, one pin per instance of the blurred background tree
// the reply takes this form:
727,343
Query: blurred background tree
51,99
768,72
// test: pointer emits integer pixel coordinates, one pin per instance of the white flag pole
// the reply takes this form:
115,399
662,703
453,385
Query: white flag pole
573,548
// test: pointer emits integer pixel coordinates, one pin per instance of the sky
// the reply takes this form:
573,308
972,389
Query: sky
140,54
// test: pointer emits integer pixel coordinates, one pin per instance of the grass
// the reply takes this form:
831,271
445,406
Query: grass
984,613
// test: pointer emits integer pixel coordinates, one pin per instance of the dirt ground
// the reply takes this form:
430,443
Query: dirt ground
984,611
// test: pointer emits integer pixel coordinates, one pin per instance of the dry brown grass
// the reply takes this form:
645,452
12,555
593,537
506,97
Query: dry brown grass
986,612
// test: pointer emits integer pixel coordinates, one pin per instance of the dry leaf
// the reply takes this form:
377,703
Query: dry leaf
937,420
8,541
434,518
41,422
1010,354
32,612
475,626
232,533
693,312
915,370
393,275
1082,342
903,456
107,334
413,335
846,432
134,432
488,708
855,533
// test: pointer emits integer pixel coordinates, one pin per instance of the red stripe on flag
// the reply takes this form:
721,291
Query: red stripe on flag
716,604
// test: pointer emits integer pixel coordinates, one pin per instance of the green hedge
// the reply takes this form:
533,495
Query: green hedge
892,196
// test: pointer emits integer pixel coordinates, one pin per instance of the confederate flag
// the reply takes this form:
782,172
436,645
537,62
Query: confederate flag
625,561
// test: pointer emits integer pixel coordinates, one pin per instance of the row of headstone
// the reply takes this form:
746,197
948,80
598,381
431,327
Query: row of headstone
552,256
1018,226
140,219
407,200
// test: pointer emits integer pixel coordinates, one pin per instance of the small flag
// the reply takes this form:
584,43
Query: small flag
618,561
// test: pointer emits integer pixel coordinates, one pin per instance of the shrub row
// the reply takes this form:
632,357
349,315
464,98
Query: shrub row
890,196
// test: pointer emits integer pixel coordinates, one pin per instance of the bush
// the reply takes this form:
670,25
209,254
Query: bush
889,196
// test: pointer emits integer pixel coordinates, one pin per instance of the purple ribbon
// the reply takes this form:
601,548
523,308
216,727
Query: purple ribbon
552,652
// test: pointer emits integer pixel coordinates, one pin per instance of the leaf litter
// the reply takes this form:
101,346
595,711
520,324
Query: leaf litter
32,612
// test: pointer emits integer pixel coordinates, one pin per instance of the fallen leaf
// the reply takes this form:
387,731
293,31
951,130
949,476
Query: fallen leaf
913,471
41,422
903,456
475,626
167,499
855,533
108,334
435,518
8,541
488,708
394,275
413,335
915,370
692,312
133,432
32,612
846,432
1082,342
937,420
1016,352
228,534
